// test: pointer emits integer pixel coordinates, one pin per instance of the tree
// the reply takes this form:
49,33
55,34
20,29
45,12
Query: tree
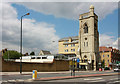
11,54
32,53
103,64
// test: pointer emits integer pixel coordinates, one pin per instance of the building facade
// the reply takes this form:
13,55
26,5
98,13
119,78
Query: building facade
68,46
86,45
109,56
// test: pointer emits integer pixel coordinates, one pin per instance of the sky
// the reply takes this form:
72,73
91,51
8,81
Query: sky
50,21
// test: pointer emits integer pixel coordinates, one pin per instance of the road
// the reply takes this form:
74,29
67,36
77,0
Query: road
103,79
89,80
24,77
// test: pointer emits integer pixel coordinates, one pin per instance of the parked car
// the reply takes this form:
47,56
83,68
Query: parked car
116,70
107,68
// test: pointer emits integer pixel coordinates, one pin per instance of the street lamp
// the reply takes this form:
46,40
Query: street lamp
21,44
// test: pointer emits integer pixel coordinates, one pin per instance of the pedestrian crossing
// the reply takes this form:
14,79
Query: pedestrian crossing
111,81
94,79
18,80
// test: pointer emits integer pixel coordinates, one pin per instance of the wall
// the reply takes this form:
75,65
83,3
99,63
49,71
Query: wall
57,65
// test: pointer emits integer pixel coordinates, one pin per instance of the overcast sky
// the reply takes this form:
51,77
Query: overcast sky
49,22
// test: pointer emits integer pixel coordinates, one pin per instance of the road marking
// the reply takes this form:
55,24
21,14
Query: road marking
114,82
94,79
19,80
4,81
28,80
114,79
97,81
11,81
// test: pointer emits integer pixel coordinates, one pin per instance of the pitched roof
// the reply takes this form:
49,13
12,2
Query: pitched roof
46,52
103,48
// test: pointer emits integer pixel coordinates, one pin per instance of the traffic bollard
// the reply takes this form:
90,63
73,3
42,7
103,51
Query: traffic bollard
34,76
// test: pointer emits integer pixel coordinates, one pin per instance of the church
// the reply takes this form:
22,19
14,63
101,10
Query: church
85,46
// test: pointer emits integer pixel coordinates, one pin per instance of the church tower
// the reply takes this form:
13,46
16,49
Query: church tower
88,51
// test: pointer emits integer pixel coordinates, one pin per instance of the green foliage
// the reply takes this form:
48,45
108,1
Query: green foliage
32,53
103,64
11,54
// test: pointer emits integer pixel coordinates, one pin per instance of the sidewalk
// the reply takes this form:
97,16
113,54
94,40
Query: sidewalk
30,73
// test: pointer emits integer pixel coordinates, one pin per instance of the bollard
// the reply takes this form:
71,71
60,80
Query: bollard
34,76
102,69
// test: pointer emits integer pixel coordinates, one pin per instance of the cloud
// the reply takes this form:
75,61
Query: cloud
116,43
106,40
71,10
36,35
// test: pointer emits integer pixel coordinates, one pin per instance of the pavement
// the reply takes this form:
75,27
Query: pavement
30,73
59,72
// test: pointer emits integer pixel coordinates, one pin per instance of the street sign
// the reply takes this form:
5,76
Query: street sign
78,60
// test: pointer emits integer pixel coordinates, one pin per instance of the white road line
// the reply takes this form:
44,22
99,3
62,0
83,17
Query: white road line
114,82
29,80
4,81
97,81
94,79
19,80
11,80
114,79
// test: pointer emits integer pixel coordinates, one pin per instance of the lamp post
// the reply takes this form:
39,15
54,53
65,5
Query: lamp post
21,44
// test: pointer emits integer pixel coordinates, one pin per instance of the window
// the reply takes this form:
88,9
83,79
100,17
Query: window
44,57
72,45
85,38
38,57
66,45
85,60
84,44
85,56
72,50
87,43
85,28
108,55
103,55
108,61
66,50
32,57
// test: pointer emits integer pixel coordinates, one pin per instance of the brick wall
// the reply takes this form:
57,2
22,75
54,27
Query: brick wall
57,65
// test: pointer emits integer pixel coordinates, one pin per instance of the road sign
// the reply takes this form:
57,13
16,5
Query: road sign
78,60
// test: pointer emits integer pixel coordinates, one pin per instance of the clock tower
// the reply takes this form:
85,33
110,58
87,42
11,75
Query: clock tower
88,51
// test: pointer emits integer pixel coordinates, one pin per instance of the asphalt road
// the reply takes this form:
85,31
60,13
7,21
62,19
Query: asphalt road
103,79
12,78
87,80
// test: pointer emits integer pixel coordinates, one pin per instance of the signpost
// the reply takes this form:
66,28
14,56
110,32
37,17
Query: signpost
78,60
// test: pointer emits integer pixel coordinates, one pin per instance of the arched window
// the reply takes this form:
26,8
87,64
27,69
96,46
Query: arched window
85,28
85,59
